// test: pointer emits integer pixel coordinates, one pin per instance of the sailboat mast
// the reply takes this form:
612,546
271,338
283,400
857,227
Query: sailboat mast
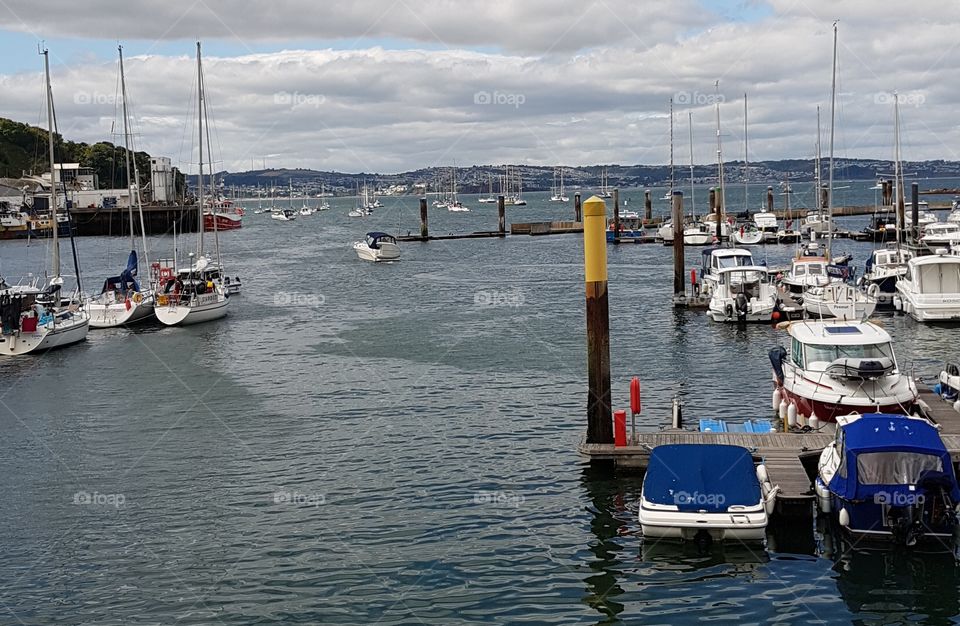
746,169
898,170
200,137
53,184
723,198
693,198
817,175
126,145
833,117
671,147
213,192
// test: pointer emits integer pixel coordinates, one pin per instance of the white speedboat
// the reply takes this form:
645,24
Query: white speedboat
192,295
766,222
839,300
705,493
929,290
743,294
940,235
284,215
835,368
377,247
713,260
457,207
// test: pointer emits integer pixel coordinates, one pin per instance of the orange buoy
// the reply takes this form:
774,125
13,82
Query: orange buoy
635,406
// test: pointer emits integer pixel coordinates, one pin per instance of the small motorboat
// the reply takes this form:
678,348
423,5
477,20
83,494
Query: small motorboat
284,215
231,287
747,235
948,386
743,294
705,493
889,477
377,247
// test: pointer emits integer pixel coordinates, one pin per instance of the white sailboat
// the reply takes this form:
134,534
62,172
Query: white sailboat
604,184
36,319
123,300
747,233
489,198
196,293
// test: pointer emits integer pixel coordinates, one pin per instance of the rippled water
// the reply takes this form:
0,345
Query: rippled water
361,444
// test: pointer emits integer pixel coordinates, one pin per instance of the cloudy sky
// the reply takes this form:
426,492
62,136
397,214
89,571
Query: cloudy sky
392,85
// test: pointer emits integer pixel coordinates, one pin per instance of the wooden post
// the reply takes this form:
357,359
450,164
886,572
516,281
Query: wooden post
577,214
770,199
679,271
616,216
501,212
599,420
647,205
915,209
424,231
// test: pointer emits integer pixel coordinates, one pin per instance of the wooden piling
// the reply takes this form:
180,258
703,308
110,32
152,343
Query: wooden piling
501,212
424,231
599,421
647,205
679,271
577,214
770,199
616,216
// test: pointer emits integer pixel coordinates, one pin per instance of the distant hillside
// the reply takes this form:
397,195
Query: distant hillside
23,149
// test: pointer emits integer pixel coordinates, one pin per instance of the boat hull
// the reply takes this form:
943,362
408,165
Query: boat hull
828,411
117,314
205,310
45,338
746,526
223,221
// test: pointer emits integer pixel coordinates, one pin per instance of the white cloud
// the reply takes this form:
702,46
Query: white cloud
598,96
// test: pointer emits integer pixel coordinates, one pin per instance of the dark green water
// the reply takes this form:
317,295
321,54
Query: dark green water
360,444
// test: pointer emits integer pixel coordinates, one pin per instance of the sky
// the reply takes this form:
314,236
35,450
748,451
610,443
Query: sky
393,85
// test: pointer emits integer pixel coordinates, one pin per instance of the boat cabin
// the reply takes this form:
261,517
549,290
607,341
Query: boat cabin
374,239
937,274
848,349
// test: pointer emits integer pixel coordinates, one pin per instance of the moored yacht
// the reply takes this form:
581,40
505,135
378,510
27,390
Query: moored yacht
377,246
929,290
882,271
743,294
713,260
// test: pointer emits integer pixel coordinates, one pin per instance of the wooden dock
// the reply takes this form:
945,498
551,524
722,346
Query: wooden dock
483,234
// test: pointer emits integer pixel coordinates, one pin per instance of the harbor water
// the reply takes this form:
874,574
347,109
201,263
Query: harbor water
396,443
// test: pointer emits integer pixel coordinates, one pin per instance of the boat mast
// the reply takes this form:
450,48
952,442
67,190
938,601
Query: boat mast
671,148
833,117
200,137
136,171
817,170
723,198
898,169
53,184
693,198
213,193
746,169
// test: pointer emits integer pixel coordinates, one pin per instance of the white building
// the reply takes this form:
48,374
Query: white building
162,180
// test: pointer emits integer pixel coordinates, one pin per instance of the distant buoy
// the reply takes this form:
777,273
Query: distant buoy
776,400
782,410
792,414
844,518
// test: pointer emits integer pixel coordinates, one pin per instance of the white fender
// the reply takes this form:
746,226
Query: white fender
844,518
776,399
873,290
792,414
770,499
782,410
814,422
762,473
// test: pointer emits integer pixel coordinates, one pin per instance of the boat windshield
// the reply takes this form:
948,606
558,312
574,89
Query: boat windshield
740,260
830,353
895,468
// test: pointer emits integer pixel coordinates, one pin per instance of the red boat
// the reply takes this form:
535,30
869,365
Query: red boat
224,214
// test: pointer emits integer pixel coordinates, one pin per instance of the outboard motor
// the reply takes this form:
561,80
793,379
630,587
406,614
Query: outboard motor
743,306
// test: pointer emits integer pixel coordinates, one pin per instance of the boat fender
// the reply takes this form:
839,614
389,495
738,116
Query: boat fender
762,473
770,499
814,421
956,406
873,291
844,517
782,410
792,414
776,399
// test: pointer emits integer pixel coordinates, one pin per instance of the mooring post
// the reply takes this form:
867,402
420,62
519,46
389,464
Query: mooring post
424,231
769,199
501,211
915,209
577,215
616,216
599,422
679,290
647,206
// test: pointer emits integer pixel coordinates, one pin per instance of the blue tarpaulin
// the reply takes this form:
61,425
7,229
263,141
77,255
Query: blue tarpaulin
695,477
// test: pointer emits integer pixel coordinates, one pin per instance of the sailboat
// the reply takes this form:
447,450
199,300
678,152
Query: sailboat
817,222
559,195
489,199
455,205
669,195
517,199
123,300
36,319
748,233
196,293
711,218
604,185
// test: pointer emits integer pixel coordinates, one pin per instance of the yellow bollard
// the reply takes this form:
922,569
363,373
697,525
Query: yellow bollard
599,424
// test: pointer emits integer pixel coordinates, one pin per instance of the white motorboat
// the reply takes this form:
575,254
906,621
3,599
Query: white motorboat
698,235
882,271
713,260
194,294
686,497
940,235
743,294
808,269
306,210
457,207
766,222
665,232
817,223
835,368
377,247
839,300
747,235
929,290
284,215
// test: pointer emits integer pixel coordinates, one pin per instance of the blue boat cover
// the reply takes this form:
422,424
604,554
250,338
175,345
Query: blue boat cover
127,279
701,477
889,454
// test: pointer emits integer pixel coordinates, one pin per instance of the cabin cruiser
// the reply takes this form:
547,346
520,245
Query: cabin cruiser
685,498
665,233
882,271
889,477
940,235
698,234
712,260
766,222
835,368
815,222
929,290
840,300
808,269
284,215
743,294
377,246
882,228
